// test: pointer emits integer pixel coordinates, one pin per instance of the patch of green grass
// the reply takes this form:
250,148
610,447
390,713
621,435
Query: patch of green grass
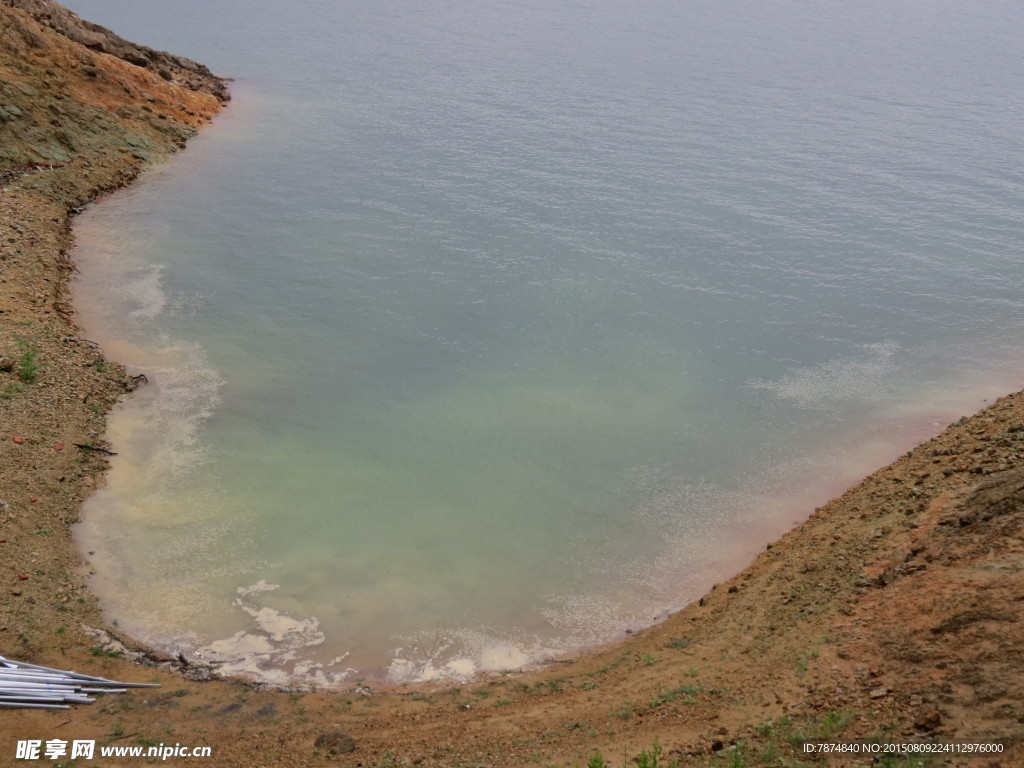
679,643
772,731
803,660
344,705
625,711
612,665
11,390
648,758
771,727
541,686
98,651
685,693
834,722
28,364
648,659
652,758
736,757
770,755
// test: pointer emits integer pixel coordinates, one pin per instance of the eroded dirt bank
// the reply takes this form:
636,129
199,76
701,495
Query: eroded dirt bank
894,613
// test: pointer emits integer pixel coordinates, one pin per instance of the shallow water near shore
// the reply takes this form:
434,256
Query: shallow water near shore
484,333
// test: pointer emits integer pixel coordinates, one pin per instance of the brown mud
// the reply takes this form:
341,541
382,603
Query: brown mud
893,614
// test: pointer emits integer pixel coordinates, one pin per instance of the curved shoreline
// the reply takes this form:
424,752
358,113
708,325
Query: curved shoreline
114,118
893,611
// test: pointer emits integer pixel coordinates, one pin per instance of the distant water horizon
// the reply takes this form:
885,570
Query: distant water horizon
483,333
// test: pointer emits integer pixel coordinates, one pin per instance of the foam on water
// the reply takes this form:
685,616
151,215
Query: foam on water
838,381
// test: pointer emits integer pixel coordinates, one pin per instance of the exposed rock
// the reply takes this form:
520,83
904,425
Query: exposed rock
335,743
928,718
44,124
186,72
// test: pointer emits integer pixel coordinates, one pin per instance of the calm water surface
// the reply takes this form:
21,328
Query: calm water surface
483,331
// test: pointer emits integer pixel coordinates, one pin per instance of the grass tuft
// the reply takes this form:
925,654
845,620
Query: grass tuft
28,364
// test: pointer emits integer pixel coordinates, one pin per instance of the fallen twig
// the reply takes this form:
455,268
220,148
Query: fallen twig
86,447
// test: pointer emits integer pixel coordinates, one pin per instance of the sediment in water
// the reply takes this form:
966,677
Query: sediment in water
82,112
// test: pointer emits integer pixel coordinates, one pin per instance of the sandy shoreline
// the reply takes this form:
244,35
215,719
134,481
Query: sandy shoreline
893,612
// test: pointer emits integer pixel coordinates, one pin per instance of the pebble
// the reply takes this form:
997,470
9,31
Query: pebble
18,439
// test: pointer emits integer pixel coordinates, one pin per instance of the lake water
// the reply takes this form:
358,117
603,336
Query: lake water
480,332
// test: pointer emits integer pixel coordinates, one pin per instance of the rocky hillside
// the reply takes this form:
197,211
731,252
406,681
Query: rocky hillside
70,88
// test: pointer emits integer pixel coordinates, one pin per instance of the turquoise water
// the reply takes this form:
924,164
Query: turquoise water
485,332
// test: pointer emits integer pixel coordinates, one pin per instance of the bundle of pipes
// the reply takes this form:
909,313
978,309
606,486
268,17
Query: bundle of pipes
32,686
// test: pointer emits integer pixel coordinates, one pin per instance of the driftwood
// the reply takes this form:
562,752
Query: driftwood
137,381
87,447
